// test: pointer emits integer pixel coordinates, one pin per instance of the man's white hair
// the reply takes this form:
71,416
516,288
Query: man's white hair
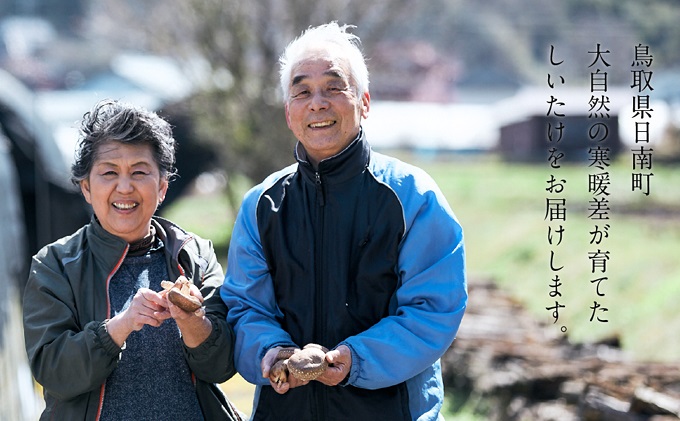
318,37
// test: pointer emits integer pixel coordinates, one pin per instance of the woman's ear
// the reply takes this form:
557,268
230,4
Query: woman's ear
163,190
85,189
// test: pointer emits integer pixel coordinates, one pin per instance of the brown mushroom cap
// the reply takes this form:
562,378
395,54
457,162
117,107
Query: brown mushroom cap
309,362
187,303
179,293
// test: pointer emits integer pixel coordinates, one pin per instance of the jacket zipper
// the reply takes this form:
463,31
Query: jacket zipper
108,316
318,280
319,190
319,261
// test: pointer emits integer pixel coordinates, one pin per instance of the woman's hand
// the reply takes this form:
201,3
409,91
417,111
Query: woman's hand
195,327
177,313
147,308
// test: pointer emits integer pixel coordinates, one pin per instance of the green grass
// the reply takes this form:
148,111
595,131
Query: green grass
207,215
501,207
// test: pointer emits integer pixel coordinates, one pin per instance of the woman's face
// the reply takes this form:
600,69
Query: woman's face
124,188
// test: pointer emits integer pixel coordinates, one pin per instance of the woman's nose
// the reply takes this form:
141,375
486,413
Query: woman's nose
124,185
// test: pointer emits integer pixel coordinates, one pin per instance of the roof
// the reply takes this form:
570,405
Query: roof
20,101
430,126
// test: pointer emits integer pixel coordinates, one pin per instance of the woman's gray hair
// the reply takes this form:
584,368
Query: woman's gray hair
111,120
320,36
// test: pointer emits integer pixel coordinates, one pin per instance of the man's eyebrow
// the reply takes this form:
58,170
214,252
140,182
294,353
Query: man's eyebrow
332,73
298,79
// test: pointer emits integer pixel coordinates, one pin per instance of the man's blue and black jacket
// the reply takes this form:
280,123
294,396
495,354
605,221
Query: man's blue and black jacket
363,251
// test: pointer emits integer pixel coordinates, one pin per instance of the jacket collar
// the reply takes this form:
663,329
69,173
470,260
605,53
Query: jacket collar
106,247
338,168
109,249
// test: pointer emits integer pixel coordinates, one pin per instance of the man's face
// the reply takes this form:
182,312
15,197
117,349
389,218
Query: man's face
323,109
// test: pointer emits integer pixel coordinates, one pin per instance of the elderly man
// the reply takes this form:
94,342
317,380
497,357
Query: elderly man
348,249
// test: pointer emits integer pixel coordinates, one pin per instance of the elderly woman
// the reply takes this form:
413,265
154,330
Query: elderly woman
102,337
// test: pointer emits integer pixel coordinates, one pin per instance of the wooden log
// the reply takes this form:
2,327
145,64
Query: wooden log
649,401
520,366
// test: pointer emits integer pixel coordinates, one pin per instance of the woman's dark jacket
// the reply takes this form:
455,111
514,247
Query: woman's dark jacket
66,302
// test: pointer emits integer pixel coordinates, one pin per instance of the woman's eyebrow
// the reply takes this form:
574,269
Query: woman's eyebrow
114,164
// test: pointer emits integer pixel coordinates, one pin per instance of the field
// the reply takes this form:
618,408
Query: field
502,208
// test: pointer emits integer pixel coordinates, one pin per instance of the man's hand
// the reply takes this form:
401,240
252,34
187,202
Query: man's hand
339,366
279,385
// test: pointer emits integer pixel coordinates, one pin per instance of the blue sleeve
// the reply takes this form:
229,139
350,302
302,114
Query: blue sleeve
431,298
249,294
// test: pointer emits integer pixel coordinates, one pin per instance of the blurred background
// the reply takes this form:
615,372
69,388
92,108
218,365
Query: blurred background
458,87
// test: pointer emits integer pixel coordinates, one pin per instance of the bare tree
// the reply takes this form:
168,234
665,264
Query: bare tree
230,49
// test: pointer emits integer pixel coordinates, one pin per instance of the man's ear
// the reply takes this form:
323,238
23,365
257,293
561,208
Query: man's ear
287,116
365,104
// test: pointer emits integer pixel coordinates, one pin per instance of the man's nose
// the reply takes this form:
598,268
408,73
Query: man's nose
319,100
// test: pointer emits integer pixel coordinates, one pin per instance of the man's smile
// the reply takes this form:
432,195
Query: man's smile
321,124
